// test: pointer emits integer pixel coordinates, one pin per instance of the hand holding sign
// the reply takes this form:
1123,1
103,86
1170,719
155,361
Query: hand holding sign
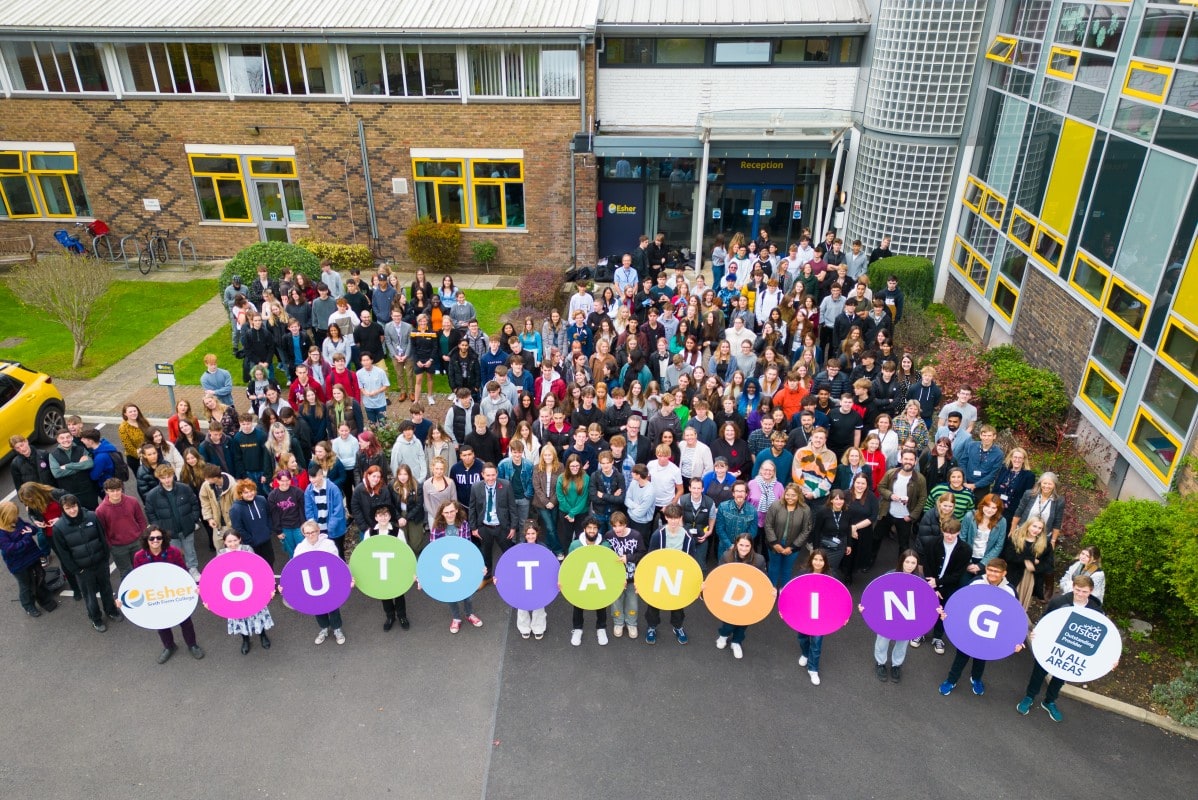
449,569
985,621
815,604
1076,644
899,606
592,577
316,582
668,579
383,567
237,585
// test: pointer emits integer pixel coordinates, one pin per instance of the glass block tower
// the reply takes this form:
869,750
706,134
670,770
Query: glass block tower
923,63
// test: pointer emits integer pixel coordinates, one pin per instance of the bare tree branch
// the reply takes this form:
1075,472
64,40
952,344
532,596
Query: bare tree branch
66,288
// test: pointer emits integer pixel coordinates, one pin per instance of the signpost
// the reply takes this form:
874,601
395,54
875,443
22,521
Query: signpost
166,377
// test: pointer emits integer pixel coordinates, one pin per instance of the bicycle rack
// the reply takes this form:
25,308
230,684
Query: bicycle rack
136,249
107,245
179,245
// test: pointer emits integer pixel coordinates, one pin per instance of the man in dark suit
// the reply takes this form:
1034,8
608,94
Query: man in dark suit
944,565
493,514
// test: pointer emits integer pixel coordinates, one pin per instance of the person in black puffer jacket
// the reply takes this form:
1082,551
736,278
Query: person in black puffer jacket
174,507
81,546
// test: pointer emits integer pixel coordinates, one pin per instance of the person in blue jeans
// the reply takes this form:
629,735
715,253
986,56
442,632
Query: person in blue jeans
812,646
741,552
787,528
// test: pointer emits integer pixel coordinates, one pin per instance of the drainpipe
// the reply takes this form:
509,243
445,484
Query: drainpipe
573,208
370,217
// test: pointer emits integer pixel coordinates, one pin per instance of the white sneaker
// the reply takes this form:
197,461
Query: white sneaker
432,401
802,661
814,677
736,651
339,636
721,642
601,635
631,632
576,637
617,631
320,637
195,574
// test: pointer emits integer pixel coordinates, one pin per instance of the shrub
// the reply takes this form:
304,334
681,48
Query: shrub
540,288
387,432
1183,549
916,277
275,255
1179,697
959,364
434,244
484,253
1022,397
945,321
343,257
1004,353
1133,536
915,333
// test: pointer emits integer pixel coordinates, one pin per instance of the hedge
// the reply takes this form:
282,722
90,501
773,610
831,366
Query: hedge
343,257
916,277
1019,396
434,244
275,255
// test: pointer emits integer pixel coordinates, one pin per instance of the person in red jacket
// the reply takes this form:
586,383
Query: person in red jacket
550,382
156,548
124,520
340,376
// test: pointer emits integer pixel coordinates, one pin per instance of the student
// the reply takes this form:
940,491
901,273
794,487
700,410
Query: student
156,548
945,563
995,575
674,537
1089,562
741,552
909,563
1080,597
812,646
259,623
629,545
22,556
324,504
590,538
534,622
314,539
451,520
395,608
787,529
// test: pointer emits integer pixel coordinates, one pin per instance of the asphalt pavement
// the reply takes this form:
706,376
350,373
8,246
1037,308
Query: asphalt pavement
487,714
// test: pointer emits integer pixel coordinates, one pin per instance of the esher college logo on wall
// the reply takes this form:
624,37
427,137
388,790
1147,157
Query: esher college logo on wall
620,208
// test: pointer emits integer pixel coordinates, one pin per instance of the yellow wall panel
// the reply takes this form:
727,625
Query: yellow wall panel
1186,302
1069,167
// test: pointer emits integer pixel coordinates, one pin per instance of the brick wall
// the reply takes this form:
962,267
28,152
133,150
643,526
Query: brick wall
1054,329
956,296
133,149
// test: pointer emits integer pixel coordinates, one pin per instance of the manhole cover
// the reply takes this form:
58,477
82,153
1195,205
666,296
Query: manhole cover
12,341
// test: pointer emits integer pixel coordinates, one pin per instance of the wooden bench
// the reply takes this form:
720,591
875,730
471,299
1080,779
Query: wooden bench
16,249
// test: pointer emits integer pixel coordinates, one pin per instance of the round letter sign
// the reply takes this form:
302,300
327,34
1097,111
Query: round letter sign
1077,644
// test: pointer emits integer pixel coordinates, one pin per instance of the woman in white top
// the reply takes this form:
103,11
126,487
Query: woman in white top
1089,562
889,439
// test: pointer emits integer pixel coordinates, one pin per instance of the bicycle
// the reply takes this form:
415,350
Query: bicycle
99,231
155,252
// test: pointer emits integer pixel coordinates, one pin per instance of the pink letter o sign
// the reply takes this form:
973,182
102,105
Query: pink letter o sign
815,604
237,585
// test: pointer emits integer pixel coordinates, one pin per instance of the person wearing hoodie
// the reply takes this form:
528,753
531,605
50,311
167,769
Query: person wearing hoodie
22,555
590,538
408,449
996,575
286,506
324,503
104,456
315,539
71,466
250,517
124,520
80,545
675,537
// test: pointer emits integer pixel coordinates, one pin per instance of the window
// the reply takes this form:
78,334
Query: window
1110,200
850,50
1170,399
1071,27
480,192
1100,393
1014,266
1160,34
173,68
1156,447
1006,297
408,70
1105,30
1136,119
272,167
282,69
1049,248
1023,227
220,188
743,52
1126,307
1063,63
681,51
41,183
970,264
1164,190
518,71
1147,81
795,51
628,51
1180,348
984,200
68,67
1114,350
1089,278
1002,49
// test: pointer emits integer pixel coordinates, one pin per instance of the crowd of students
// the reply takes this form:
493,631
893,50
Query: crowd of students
770,419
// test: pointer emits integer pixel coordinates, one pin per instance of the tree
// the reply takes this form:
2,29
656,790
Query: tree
67,288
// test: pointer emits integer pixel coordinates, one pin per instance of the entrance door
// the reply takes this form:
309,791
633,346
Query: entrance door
748,209
272,213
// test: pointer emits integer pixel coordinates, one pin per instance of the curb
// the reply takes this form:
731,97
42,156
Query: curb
1128,710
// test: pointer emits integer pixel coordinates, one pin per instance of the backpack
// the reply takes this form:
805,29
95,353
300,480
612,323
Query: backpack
120,467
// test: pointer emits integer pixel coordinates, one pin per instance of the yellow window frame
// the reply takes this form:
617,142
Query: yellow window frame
223,176
1019,214
19,156
74,170
199,173
294,173
971,258
1005,54
34,192
1013,289
1155,69
1099,268
61,176
1067,52
1093,367
1142,414
500,182
1115,318
437,181
972,182
1002,208
1043,232
1175,324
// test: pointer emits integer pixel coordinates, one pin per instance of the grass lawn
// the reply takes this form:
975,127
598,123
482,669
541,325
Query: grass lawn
491,304
138,311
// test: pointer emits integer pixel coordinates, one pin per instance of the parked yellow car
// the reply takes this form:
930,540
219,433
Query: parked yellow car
30,404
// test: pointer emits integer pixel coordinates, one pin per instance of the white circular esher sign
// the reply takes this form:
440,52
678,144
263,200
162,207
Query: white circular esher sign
1077,644
158,595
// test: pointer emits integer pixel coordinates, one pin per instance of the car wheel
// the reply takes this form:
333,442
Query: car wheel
50,420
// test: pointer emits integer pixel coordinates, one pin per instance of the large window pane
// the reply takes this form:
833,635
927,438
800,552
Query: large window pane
247,69
1111,198
1007,142
1170,398
1183,92
23,67
1038,158
91,67
136,74
450,198
393,65
1101,392
514,198
209,207
426,200
1114,349
1178,133
232,200
205,77
440,70
1182,346
54,193
322,73
488,202
18,196
742,52
1135,119
795,51
559,72
1163,191
1071,27
1160,34
78,195
1105,30
681,51
365,69
1158,449
295,202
